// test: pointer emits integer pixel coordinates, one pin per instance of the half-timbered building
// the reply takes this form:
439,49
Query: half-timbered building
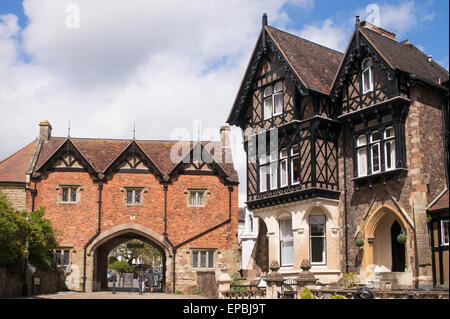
343,147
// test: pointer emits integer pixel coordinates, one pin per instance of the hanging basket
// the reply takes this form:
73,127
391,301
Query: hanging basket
359,242
401,239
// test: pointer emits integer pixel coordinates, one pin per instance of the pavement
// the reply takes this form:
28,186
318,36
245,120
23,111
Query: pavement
117,295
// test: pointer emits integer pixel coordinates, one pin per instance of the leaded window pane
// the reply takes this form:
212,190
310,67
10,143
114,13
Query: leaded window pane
278,86
129,197
137,197
284,173
65,195
263,178
73,194
195,259
268,91
273,175
203,259
66,257
211,259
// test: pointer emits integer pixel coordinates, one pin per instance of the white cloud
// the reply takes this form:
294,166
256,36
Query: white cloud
161,65
328,33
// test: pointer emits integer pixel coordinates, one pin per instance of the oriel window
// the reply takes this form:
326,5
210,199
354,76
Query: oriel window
273,170
389,148
263,172
284,167
375,151
362,155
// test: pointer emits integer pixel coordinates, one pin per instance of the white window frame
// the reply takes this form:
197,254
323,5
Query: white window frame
443,241
269,94
324,236
389,141
294,156
364,79
277,92
263,164
362,146
273,171
374,143
196,193
267,97
284,161
286,241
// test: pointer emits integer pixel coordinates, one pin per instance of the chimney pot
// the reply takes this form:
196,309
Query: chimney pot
357,21
430,58
45,130
225,135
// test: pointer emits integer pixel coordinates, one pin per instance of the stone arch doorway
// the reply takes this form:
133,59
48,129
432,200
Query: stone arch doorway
106,241
382,252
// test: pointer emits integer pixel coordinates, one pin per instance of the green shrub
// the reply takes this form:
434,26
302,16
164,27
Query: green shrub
178,292
337,297
235,281
306,294
196,291
350,280
359,242
121,266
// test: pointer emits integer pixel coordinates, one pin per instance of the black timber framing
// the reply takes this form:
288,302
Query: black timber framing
436,218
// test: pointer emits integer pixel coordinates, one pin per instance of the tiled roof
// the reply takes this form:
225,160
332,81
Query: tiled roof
313,63
12,169
440,203
406,57
101,153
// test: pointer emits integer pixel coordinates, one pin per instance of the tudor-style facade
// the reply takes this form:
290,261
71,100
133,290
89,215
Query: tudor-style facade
352,149
179,196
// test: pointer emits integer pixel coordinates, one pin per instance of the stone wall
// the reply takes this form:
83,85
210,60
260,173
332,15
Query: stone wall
15,193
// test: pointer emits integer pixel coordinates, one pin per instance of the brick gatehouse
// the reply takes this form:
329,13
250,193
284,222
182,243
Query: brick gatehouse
179,196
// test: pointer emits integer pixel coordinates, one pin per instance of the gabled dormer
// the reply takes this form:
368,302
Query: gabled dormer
288,79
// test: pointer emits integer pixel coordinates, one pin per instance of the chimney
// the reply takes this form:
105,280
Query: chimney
225,135
357,22
368,25
45,130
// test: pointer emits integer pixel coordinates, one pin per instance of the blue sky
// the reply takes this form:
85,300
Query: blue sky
162,65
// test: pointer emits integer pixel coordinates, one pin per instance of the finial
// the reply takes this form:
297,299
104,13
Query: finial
134,130
264,20
357,21
68,130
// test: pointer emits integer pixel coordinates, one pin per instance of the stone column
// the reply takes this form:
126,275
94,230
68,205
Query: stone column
425,275
274,280
305,278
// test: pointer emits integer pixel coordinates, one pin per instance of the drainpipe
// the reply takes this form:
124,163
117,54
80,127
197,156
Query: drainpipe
33,193
100,188
345,199
175,247
416,264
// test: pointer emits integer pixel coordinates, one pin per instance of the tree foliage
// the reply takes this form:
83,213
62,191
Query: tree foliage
148,253
121,266
19,227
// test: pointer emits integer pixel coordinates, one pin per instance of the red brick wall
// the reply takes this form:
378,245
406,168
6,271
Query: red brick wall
78,222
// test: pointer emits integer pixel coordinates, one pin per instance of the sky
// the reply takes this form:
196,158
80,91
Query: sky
169,69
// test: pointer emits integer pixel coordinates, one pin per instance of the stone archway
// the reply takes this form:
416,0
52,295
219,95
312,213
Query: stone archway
379,244
98,251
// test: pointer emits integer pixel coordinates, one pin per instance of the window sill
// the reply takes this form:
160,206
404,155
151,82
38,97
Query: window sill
204,269
381,177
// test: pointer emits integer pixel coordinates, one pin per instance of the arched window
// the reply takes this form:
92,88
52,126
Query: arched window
317,238
286,243
367,76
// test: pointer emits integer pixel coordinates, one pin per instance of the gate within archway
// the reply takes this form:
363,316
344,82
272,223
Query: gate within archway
110,239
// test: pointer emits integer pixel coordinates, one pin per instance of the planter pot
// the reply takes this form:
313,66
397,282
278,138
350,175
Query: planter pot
401,239
359,242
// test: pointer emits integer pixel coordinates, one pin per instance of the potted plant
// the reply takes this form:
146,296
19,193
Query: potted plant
401,238
359,242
